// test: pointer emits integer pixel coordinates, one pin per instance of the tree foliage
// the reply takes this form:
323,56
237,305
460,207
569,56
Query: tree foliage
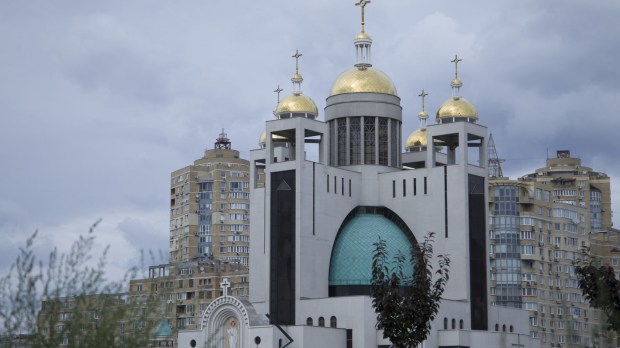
406,304
67,300
600,287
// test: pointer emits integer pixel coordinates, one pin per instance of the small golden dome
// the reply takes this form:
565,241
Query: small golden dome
297,103
457,107
263,138
423,114
456,83
368,80
417,138
362,36
297,76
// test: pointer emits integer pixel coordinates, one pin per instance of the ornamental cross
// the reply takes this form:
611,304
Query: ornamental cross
363,4
422,95
456,61
278,90
225,284
296,56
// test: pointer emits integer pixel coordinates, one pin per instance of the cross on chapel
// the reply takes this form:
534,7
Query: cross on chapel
225,284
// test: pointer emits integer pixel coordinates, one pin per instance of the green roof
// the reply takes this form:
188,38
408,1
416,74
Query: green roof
351,259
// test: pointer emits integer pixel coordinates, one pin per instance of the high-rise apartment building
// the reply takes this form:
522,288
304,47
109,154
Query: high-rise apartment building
540,225
209,207
209,237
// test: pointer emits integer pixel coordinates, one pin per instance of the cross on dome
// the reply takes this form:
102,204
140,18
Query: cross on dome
278,90
296,56
456,61
363,4
422,95
225,284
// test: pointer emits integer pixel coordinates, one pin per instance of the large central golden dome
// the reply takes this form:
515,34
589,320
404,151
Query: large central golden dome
363,80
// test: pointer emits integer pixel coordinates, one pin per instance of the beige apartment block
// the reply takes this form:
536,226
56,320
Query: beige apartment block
209,237
539,227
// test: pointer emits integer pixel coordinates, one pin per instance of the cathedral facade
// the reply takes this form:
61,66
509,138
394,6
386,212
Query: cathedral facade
313,223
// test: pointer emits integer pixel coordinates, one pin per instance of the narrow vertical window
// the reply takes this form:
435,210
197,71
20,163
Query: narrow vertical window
393,188
415,186
342,142
404,187
369,140
342,186
425,186
327,182
355,135
349,187
383,141
335,185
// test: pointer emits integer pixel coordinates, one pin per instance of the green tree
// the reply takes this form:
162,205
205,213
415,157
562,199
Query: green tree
68,301
406,304
600,287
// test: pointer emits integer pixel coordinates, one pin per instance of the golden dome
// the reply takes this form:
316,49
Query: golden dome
370,80
362,36
423,114
263,138
417,138
297,76
297,103
457,107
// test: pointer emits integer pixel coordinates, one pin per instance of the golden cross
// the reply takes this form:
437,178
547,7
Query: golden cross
456,61
362,4
423,94
296,56
278,90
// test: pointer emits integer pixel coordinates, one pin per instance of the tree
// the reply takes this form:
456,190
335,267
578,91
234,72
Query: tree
407,304
600,287
67,301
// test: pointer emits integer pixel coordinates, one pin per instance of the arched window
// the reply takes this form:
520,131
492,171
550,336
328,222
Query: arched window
309,321
496,327
512,329
321,321
333,322
461,324
445,323
504,328
453,323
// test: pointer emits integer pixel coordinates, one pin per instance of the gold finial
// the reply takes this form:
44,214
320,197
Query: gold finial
363,4
456,61
296,56
422,95
278,90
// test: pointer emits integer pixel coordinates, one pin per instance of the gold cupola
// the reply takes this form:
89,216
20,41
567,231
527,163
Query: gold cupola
456,108
296,104
363,78
262,140
416,141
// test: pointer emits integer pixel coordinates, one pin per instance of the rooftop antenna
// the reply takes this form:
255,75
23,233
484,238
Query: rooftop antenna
495,163
222,142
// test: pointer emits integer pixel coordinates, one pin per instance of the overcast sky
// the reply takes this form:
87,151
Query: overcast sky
101,100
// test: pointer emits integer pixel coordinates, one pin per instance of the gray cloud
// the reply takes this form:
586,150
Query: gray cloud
101,101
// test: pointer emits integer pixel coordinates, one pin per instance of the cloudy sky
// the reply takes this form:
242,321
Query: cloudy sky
100,101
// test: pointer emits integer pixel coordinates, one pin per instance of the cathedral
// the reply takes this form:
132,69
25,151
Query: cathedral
313,222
